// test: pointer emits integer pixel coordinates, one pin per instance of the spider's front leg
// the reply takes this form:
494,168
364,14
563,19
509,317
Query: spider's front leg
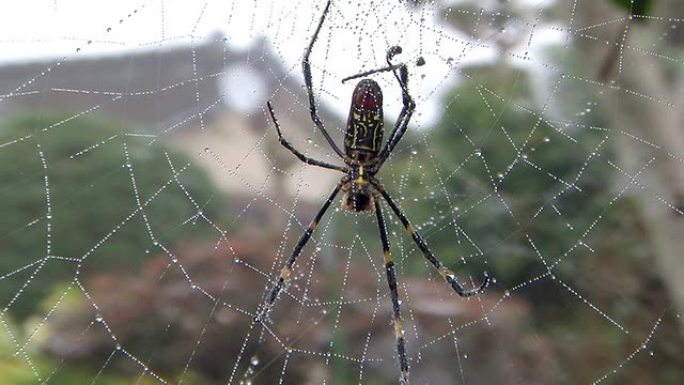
286,271
306,69
394,295
408,106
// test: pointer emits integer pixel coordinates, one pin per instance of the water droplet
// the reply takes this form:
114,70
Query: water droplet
254,361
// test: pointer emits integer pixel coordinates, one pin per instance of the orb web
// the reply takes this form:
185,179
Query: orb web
150,207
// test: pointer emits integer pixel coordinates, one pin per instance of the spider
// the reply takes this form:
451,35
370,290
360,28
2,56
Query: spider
363,156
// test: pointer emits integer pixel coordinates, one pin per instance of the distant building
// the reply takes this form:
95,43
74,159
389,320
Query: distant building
193,97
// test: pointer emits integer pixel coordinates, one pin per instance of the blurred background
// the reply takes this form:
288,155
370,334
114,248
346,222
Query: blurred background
147,205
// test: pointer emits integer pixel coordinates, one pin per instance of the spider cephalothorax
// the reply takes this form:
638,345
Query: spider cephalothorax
363,157
358,193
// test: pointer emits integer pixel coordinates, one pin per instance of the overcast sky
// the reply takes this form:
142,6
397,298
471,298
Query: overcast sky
354,37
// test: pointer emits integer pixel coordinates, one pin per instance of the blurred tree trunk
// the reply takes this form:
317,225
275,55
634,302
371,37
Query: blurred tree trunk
648,133
657,165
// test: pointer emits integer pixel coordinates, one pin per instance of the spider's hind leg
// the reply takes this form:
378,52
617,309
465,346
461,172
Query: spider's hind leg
286,271
444,271
394,295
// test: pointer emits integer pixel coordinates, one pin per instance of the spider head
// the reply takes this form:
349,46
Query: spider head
357,191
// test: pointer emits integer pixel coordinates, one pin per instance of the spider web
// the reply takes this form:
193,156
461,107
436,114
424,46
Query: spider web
150,207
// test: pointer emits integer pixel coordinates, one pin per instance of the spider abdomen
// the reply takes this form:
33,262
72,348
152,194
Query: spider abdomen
365,128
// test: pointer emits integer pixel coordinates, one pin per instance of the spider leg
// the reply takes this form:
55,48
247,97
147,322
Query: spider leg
286,271
394,295
391,52
306,67
444,271
391,67
406,112
293,150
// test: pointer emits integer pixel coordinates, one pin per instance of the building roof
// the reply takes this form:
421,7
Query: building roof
180,94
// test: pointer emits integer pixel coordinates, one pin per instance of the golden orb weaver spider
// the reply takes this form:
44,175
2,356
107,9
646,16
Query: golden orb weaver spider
363,156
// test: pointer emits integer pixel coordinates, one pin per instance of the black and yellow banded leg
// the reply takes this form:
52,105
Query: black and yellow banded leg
447,274
286,271
394,295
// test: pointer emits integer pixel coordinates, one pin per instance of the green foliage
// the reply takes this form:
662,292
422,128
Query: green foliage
93,207
489,172
17,372
635,7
